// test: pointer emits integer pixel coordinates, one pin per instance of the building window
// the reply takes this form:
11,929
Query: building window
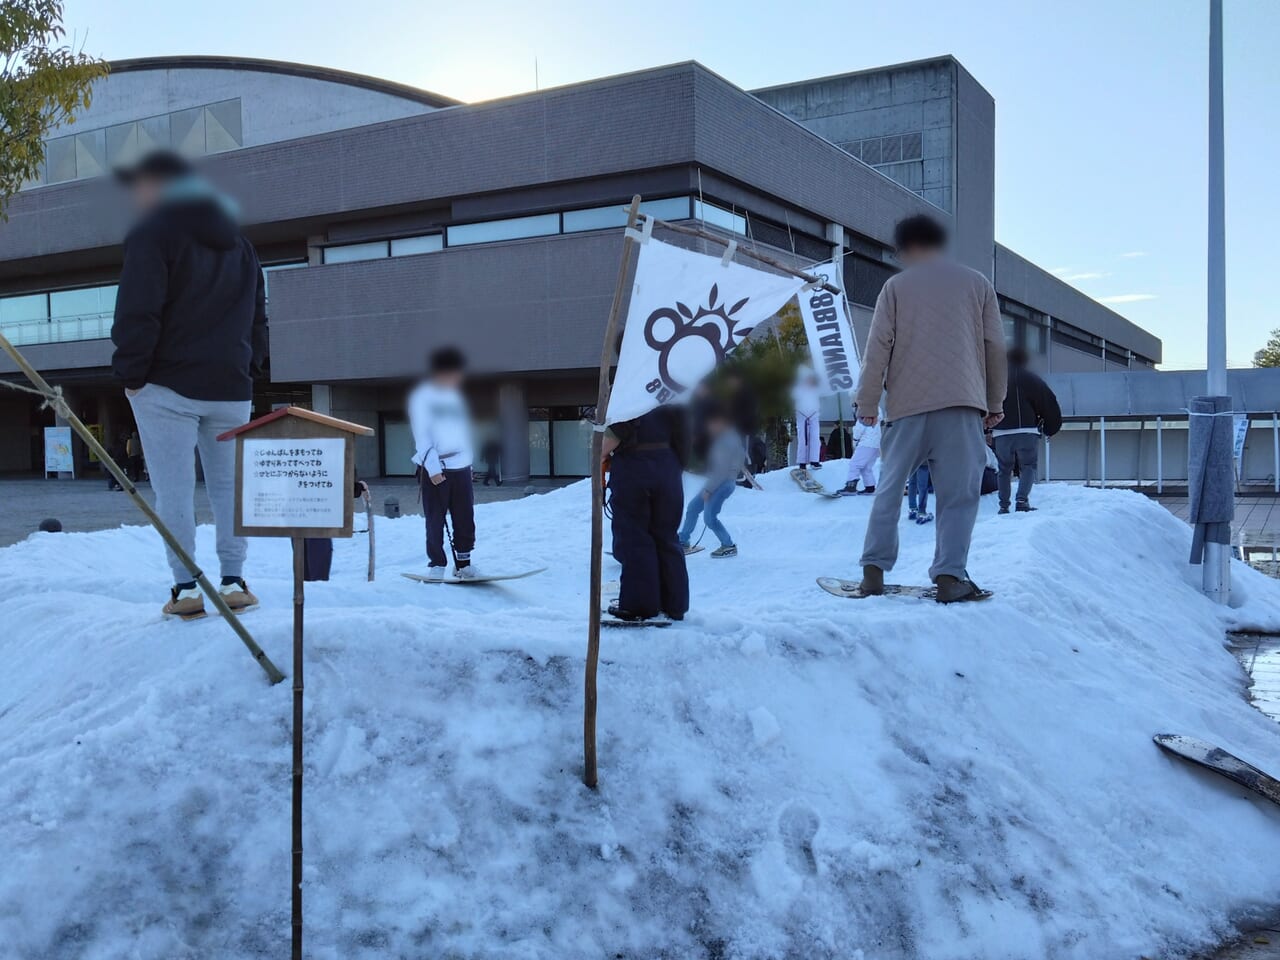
899,157
864,278
515,228
23,309
350,252
409,246
571,447
602,218
719,217
84,313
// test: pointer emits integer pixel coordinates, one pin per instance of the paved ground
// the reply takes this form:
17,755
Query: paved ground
83,505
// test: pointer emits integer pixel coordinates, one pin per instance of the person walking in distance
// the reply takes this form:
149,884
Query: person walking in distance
808,403
441,425
724,462
936,354
190,336
1030,411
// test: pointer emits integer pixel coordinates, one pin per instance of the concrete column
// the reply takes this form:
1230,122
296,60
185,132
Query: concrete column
322,399
513,420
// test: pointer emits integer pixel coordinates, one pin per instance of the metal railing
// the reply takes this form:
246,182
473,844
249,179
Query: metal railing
89,326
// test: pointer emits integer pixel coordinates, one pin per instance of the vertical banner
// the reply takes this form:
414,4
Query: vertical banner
830,334
688,312
57,450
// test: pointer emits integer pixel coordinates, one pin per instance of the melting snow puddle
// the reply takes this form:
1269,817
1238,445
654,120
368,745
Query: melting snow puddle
1259,653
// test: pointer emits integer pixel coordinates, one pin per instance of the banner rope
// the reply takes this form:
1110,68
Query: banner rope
53,400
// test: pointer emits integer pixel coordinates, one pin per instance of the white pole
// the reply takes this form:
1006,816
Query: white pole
1275,450
1102,445
1217,556
1159,455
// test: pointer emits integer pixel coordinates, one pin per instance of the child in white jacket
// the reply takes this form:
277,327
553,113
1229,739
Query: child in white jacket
808,402
864,458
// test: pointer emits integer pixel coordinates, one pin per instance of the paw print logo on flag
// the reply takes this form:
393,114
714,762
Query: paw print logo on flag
668,346
686,340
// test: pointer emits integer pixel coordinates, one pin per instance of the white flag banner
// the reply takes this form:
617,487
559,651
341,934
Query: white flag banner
830,334
688,312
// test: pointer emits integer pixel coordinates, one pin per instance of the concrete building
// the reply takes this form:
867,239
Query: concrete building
391,218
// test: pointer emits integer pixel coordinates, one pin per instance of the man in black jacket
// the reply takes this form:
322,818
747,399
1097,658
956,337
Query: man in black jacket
190,334
1030,410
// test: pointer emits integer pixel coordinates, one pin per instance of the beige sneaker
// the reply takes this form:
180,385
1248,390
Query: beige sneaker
187,604
237,596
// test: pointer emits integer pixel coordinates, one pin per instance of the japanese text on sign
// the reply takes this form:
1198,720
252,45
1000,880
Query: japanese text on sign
294,483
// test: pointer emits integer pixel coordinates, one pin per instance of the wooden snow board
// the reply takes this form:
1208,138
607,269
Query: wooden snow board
1205,754
809,485
852,590
421,578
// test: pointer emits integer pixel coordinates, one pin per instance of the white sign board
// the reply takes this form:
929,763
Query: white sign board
294,483
830,335
57,450
1241,424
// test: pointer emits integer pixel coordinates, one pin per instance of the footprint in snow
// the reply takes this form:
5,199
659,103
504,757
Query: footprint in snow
797,826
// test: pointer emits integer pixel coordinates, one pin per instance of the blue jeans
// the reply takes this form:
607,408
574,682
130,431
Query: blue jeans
710,511
918,489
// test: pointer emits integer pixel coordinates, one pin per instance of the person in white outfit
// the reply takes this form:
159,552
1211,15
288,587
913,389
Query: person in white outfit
443,456
808,403
865,454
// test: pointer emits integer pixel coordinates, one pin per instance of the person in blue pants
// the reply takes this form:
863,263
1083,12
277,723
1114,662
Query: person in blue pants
918,495
725,456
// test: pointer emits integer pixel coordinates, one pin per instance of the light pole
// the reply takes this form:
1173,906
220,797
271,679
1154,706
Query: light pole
1217,556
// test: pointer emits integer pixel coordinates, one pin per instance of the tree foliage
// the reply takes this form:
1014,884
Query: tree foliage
44,83
1269,355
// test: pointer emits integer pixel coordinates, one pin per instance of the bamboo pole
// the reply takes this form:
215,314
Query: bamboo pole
299,561
589,770
368,512
273,674
751,254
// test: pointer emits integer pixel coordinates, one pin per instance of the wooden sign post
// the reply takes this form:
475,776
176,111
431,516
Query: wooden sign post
295,471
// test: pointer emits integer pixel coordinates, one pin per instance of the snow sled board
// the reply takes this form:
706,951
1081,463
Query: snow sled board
609,620
852,590
810,485
1219,761
421,578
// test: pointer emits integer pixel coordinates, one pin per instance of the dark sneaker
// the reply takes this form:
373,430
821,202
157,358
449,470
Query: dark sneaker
730,551
867,491
850,487
1004,509
872,581
1024,506
912,514
923,518
815,466
957,590
621,614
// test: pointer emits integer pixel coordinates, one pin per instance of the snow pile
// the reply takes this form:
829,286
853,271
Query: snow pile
785,775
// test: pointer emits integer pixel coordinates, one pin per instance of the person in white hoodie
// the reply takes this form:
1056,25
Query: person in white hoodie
863,461
808,403
443,456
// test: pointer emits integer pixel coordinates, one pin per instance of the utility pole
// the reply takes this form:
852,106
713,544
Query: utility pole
1217,555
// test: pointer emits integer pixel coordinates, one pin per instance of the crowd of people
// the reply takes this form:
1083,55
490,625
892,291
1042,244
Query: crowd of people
938,399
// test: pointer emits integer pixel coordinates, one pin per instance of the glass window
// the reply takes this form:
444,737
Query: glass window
349,252
1035,338
539,448
222,126
719,217
408,246
31,306
912,146
91,153
601,218
60,159
541,225
871,151
122,144
572,448
153,132
86,302
1010,330
186,129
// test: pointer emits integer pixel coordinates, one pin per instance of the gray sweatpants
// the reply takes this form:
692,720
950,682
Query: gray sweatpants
172,428
1021,450
950,442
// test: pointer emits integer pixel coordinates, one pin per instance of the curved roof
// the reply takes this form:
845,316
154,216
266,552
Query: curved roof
307,71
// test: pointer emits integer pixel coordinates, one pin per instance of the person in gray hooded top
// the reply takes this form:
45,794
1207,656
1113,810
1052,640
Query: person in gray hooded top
725,456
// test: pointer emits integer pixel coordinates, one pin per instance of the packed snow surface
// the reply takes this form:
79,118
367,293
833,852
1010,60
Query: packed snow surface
786,774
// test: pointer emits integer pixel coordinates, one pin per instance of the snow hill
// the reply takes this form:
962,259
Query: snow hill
785,775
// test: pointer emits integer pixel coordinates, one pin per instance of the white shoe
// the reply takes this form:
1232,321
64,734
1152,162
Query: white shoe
468,572
436,573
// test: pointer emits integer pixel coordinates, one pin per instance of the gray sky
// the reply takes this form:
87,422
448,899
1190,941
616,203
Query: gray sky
1100,105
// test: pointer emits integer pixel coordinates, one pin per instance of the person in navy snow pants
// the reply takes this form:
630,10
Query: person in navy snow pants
646,496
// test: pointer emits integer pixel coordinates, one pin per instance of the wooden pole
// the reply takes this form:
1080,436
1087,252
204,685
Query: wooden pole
750,254
589,771
299,559
273,674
